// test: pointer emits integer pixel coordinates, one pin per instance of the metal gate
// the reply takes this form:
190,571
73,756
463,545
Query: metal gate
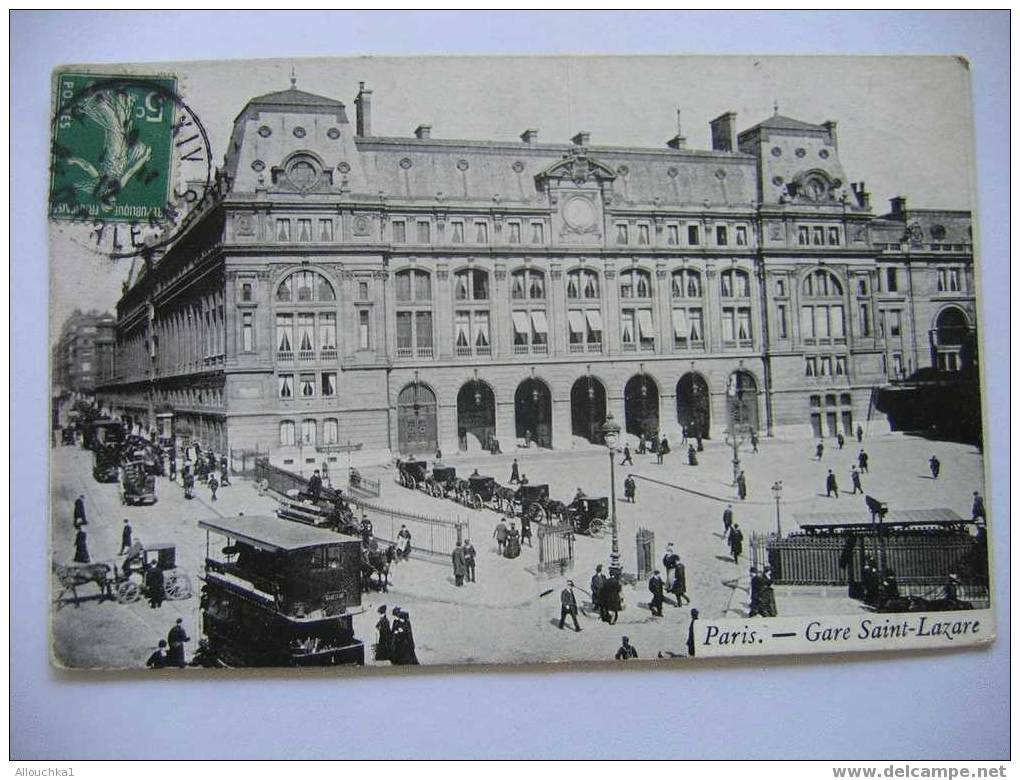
645,553
555,548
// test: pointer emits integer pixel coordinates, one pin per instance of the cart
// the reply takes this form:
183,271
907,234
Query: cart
588,515
443,481
129,578
534,503
412,473
481,492
137,486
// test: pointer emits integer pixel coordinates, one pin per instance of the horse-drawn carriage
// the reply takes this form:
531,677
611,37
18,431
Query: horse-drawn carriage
137,486
106,464
443,481
588,515
533,502
481,491
412,473
176,584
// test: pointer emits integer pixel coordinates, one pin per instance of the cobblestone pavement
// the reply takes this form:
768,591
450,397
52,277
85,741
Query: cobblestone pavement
504,617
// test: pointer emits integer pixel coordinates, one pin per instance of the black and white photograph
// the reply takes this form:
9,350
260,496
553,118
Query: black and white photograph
451,361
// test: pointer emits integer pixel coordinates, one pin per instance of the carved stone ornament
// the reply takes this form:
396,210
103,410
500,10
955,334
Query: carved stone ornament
442,274
245,225
579,215
361,226
775,231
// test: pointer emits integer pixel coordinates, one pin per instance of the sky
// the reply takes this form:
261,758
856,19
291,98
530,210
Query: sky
904,123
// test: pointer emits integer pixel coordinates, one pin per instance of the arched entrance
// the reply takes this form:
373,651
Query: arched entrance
693,405
641,406
476,415
533,412
417,431
742,400
588,408
950,339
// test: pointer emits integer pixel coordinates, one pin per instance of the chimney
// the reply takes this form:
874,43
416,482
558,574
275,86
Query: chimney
582,138
862,195
530,136
423,132
363,106
898,205
830,126
724,132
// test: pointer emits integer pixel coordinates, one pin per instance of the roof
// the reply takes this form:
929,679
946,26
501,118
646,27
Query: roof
293,97
271,533
780,122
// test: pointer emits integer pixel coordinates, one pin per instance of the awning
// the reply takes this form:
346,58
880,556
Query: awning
645,323
576,320
680,323
539,321
594,319
521,323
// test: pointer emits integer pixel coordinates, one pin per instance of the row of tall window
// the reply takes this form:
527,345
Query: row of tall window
641,234
818,235
408,231
307,385
308,433
825,365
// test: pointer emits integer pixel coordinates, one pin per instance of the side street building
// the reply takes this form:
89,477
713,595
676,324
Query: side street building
411,293
83,356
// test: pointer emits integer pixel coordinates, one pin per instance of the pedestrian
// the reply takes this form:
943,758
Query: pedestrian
384,645
855,478
977,509
626,651
692,456
469,559
727,519
176,639
513,542
524,479
155,585
515,473
439,455
656,589
527,438
630,488
81,547
627,460
840,440
768,595
225,472
830,485
158,658
935,466
213,484
500,534
403,543
819,451
690,633
736,542
366,529
683,432
669,561
459,564
701,445
403,639
679,589
951,590
741,485
125,537
862,461
315,486
526,529
568,606
663,449
172,472
754,605
754,441
598,581
189,483
860,433
79,512
610,596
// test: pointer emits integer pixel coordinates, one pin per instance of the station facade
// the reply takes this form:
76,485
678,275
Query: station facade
404,295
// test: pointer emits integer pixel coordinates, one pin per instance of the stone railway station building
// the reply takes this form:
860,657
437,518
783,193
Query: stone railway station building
414,293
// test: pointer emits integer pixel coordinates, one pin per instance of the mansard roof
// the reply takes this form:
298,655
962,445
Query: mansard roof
294,99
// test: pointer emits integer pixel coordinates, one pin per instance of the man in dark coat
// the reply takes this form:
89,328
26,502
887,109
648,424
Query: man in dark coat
736,542
125,537
155,585
610,596
767,597
515,473
172,473
819,451
754,441
692,456
315,486
469,559
384,646
663,449
627,460
860,434
626,651
862,461
679,589
690,633
855,477
755,593
840,440
81,547
935,466
568,606
176,639
158,658
79,512
526,529
655,587
977,509
459,564
831,487
598,581
742,486
630,488
500,534
669,561
727,519
403,639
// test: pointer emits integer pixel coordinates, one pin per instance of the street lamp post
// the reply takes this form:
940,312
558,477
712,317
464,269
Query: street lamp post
736,395
611,434
777,491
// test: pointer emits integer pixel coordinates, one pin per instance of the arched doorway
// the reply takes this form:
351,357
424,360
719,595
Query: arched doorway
417,431
533,412
742,400
950,339
588,408
693,405
476,415
641,406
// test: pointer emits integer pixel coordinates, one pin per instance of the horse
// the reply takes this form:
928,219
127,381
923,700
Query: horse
376,562
81,574
506,499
